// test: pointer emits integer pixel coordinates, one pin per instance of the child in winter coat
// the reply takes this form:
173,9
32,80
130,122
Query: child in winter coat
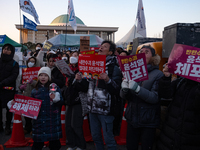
47,127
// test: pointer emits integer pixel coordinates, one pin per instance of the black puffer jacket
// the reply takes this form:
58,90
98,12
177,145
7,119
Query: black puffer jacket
143,109
181,130
57,77
9,70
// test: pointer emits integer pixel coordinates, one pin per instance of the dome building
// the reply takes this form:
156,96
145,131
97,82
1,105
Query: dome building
58,26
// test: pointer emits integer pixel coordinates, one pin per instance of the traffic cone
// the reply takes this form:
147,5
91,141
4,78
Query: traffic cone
121,139
1,147
86,130
17,138
63,139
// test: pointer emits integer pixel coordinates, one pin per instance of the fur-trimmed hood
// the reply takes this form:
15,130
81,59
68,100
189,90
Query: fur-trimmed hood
155,61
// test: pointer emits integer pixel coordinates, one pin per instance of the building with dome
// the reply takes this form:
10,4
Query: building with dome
58,26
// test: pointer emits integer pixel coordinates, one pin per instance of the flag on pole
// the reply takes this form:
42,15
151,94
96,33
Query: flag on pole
141,27
72,17
27,6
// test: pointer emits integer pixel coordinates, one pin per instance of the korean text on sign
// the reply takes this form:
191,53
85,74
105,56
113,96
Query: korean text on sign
26,106
133,67
29,73
91,65
187,64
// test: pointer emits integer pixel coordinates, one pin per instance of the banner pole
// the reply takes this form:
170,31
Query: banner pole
66,33
21,41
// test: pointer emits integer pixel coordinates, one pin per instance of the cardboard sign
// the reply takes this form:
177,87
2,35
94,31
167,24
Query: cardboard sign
26,106
63,66
84,43
133,67
92,65
29,73
184,61
47,45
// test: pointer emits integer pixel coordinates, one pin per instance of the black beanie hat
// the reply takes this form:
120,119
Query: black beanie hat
153,52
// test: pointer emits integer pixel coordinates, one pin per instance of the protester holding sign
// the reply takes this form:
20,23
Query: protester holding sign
143,109
103,98
27,86
47,127
9,70
181,129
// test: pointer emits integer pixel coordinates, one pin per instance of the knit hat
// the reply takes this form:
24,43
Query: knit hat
46,70
153,52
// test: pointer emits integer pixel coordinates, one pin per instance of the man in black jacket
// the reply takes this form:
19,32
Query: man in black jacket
9,70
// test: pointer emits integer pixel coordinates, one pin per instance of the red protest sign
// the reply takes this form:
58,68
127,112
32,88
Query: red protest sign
88,52
184,61
28,73
133,67
91,65
26,106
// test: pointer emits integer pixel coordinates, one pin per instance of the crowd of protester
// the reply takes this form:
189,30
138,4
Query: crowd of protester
180,130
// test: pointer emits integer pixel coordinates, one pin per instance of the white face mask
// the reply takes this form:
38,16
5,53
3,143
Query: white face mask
65,58
30,64
37,48
73,60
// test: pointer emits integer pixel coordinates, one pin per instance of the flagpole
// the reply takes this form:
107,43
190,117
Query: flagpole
66,32
20,27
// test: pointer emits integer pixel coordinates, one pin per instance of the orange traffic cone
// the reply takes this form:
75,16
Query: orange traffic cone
1,147
17,138
63,139
86,130
121,139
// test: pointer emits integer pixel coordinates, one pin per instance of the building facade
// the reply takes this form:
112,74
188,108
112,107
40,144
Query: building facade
60,25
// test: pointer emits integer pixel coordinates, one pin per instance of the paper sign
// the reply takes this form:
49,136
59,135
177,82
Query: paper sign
184,61
26,106
133,67
47,45
84,43
29,73
63,66
91,65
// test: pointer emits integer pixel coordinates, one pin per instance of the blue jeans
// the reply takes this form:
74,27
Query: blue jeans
106,123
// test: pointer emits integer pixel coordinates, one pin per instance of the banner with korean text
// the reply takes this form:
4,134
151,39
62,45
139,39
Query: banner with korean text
26,106
29,73
91,65
133,67
184,61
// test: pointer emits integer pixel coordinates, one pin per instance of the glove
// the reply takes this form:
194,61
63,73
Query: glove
23,86
57,97
134,86
125,86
